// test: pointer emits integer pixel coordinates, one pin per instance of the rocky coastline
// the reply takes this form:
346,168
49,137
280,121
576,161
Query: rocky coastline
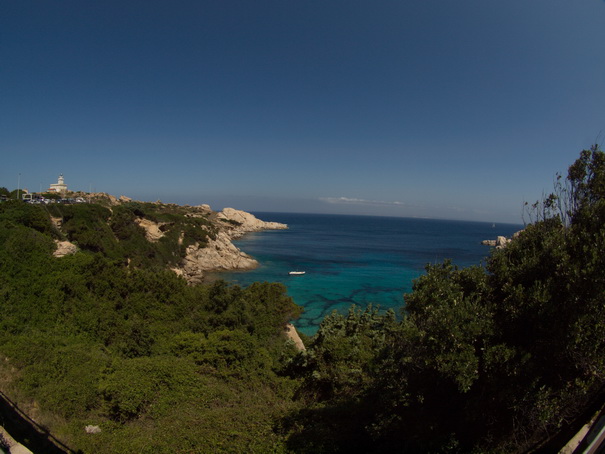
217,254
220,254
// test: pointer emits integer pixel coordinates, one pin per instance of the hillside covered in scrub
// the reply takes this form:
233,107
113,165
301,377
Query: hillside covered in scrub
190,241
506,357
110,335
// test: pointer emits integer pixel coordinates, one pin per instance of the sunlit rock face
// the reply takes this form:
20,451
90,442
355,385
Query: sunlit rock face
220,254
241,222
64,248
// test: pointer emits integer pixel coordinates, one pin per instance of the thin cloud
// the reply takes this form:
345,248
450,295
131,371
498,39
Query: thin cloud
355,201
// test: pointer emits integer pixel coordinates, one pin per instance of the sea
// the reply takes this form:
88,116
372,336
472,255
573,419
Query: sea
357,260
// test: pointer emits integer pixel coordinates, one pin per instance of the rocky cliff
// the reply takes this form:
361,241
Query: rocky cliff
220,254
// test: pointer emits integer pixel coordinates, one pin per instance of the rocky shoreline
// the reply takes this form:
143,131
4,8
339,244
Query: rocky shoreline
220,254
217,254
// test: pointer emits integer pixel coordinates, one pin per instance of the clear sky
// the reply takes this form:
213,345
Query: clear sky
436,108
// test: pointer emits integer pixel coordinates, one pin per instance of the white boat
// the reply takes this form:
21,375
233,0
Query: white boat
296,272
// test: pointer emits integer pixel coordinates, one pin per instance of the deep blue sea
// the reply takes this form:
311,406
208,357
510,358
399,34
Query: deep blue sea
357,259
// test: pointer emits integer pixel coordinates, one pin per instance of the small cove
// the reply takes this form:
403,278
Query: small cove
356,259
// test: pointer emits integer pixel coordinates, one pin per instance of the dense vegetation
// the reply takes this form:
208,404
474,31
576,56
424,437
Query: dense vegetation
161,366
499,358
115,234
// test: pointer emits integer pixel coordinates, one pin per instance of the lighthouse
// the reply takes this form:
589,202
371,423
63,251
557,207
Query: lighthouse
59,186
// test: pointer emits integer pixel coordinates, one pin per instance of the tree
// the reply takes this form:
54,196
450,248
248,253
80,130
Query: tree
587,180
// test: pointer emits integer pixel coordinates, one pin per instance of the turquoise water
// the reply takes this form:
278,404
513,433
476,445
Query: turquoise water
357,259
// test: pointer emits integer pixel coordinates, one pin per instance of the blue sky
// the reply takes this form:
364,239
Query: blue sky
432,108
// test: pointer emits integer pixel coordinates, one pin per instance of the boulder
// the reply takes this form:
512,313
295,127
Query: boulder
501,241
64,248
92,429
219,254
152,229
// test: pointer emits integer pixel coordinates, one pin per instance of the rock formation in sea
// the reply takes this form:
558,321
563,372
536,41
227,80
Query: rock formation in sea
500,241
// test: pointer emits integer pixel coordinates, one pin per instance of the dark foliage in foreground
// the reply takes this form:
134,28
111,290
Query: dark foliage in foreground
494,359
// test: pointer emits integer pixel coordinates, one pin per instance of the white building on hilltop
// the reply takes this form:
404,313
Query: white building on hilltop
59,186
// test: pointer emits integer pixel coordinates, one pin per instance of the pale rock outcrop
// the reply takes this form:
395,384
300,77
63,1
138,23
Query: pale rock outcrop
125,199
152,229
292,335
90,429
178,271
64,248
219,254
57,222
500,241
240,222
205,208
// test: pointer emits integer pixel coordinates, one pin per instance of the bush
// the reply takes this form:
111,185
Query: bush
132,388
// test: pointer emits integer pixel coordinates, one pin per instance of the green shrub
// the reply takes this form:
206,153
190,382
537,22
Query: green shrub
132,388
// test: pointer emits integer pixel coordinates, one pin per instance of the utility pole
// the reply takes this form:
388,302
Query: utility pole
19,187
